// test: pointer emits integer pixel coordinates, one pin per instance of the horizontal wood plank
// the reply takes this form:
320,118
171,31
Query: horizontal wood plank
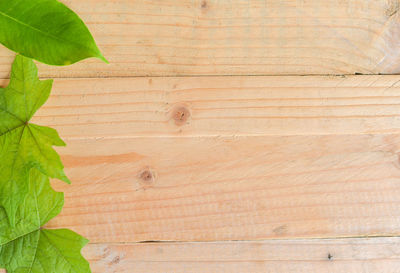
371,255
351,255
231,188
210,37
218,106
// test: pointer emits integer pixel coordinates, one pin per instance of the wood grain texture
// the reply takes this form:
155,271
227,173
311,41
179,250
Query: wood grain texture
229,158
211,37
232,158
220,106
231,188
371,255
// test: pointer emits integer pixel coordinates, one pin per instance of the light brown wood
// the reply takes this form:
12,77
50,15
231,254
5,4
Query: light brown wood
231,188
228,158
210,37
218,106
232,158
374,255
184,158
351,255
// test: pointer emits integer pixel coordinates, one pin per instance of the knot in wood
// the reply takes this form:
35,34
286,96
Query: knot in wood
147,176
180,115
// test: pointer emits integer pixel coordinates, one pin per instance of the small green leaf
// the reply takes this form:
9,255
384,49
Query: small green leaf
26,248
45,30
23,145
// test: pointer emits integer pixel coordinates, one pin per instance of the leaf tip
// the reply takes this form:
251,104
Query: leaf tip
101,57
63,177
66,180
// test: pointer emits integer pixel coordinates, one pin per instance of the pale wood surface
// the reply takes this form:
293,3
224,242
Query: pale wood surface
295,256
231,188
218,106
221,157
258,37
183,179
273,256
168,185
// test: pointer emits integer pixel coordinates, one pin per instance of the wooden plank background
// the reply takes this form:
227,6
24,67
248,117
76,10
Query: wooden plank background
223,106
223,37
340,255
251,158
232,136
302,256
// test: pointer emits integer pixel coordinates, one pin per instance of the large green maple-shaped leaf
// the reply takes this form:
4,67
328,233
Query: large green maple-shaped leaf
27,248
24,145
45,30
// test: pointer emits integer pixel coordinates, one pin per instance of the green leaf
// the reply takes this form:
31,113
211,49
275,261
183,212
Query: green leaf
26,248
45,30
24,145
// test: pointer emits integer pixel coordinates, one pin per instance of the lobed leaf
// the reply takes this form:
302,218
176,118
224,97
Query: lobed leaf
28,248
24,145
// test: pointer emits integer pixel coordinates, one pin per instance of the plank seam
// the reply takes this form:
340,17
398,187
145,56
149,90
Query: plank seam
253,241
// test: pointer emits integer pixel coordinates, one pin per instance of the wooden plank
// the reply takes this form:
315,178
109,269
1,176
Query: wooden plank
218,106
296,256
352,255
211,37
231,188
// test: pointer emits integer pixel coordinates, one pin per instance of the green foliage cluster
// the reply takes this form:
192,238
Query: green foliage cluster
48,31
